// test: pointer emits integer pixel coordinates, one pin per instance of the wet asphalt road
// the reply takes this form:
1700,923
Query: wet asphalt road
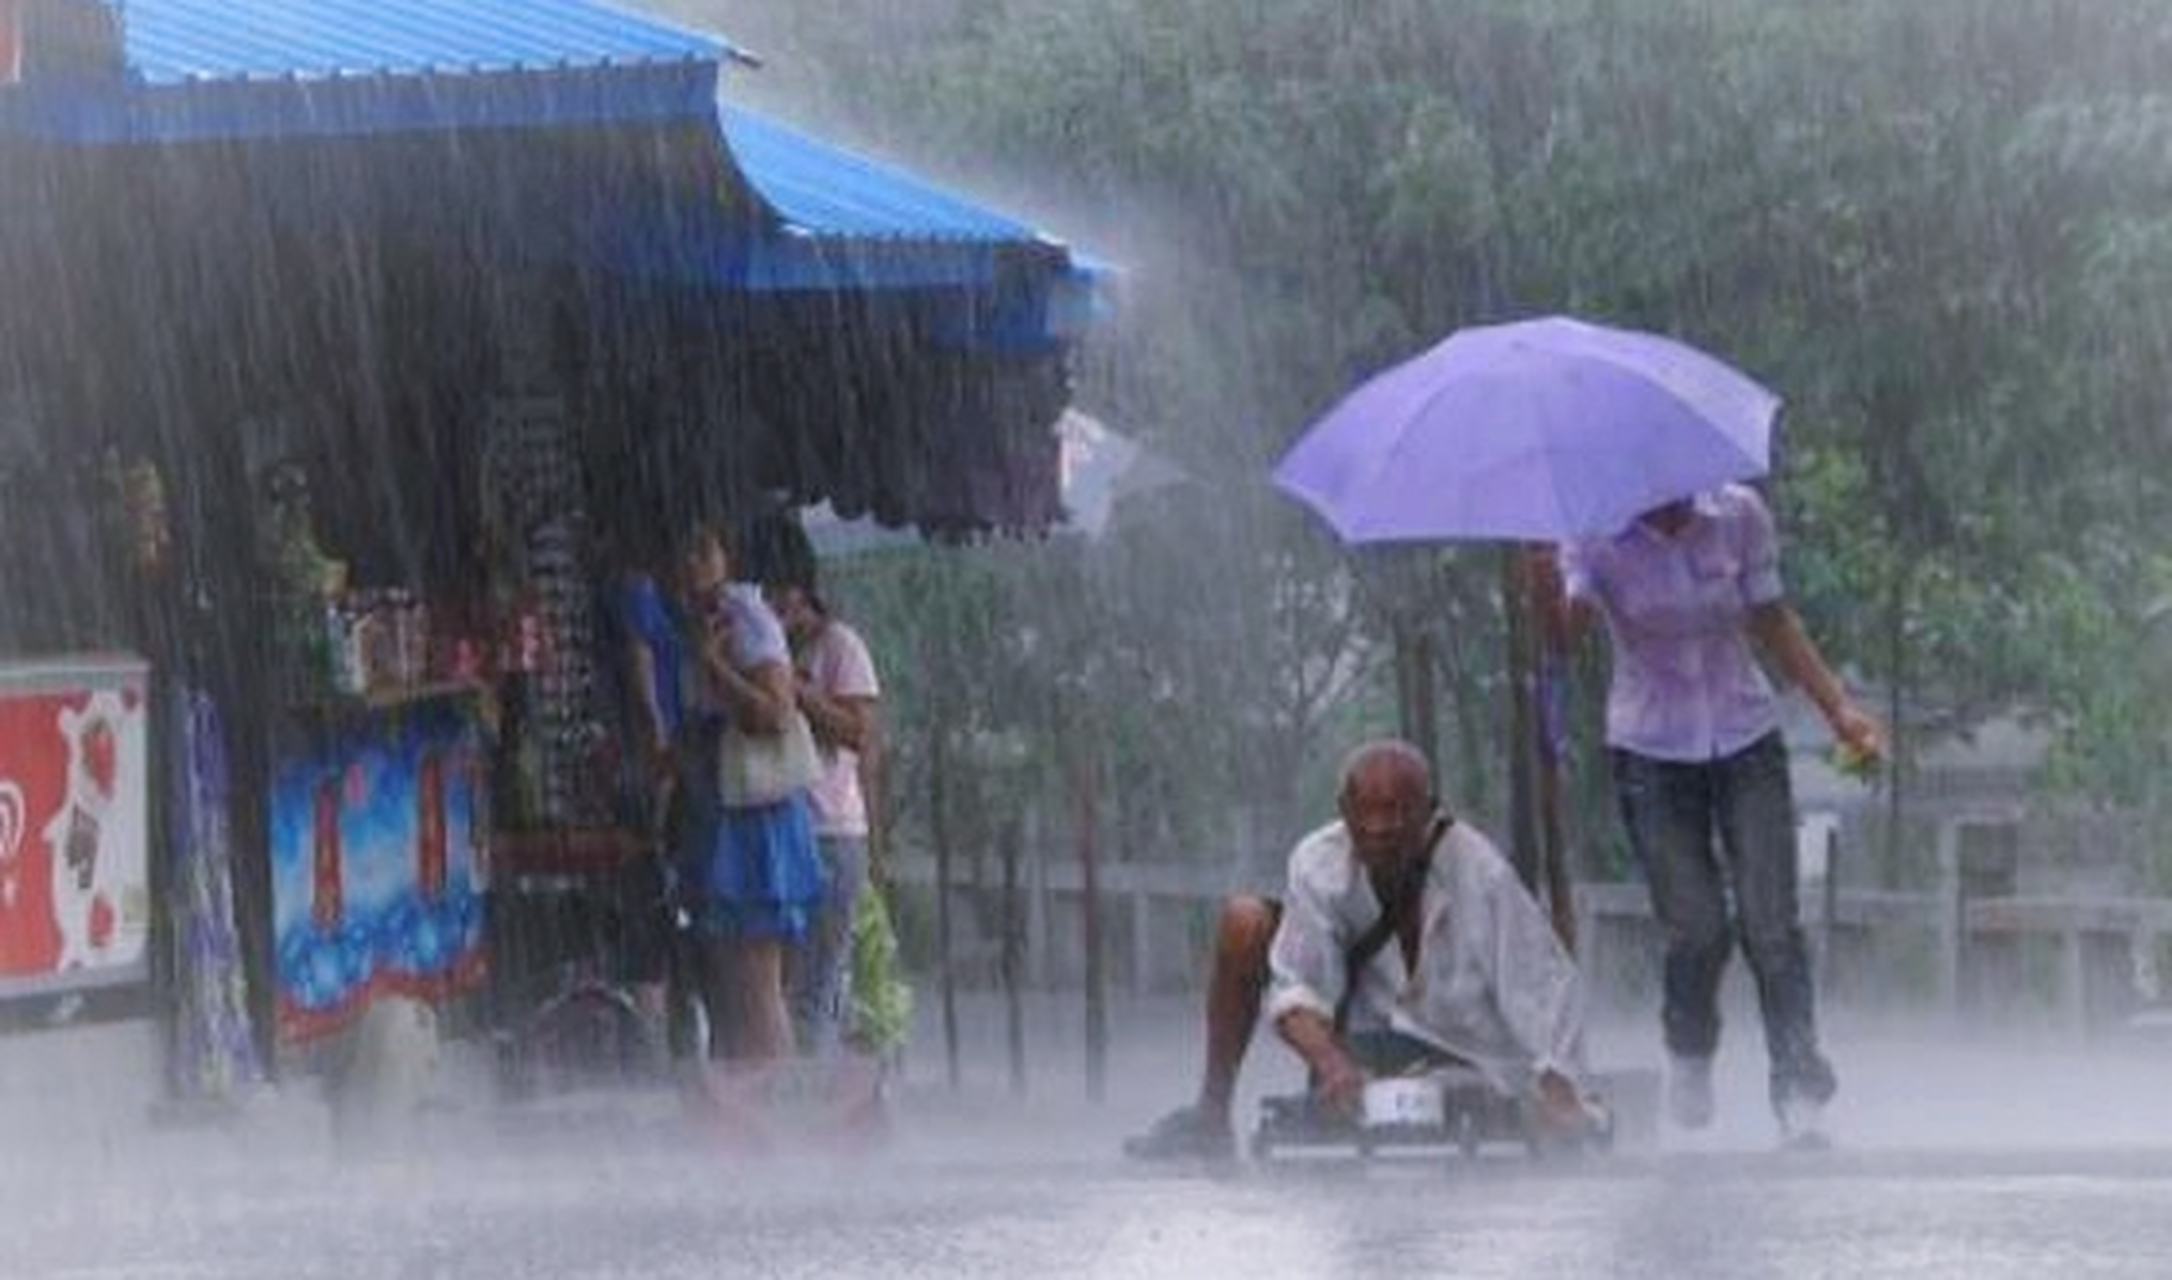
618,1212
1957,1157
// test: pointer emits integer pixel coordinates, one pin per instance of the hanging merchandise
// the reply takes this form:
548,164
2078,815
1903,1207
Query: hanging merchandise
566,684
213,1048
305,583
533,513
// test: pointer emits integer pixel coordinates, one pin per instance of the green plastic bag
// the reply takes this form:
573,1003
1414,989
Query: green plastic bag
882,1001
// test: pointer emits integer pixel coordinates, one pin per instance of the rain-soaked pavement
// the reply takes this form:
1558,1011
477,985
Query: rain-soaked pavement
1958,1155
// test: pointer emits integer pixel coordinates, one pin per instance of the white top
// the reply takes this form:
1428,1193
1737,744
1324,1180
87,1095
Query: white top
757,635
1494,985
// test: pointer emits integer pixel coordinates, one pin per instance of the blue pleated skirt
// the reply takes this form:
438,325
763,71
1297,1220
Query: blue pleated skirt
751,873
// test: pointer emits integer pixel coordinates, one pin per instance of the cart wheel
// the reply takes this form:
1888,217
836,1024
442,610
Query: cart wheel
591,1034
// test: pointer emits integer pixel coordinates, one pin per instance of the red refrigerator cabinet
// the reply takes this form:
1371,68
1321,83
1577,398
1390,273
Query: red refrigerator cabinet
75,900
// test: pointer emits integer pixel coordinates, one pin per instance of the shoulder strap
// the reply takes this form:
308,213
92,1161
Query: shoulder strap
1368,944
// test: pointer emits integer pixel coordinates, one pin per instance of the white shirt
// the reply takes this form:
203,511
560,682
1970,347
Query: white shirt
1494,985
757,635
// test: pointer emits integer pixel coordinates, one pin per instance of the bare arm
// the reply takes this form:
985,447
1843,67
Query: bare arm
1779,629
641,669
844,721
763,697
1341,1082
1307,975
759,699
1570,617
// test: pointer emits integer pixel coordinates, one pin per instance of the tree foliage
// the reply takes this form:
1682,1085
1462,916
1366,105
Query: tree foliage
1940,229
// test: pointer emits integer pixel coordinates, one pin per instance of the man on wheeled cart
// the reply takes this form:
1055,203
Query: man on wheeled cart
1410,969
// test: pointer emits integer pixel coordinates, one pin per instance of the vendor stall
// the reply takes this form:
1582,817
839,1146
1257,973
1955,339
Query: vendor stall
489,287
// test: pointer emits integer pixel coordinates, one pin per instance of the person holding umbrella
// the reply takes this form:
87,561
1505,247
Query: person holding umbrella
1688,591
1629,449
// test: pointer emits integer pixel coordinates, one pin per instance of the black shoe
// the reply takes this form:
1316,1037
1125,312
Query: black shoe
1187,1133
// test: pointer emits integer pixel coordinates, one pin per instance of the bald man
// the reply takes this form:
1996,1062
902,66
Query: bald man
1454,963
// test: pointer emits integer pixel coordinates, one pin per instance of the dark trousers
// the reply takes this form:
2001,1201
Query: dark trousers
1700,830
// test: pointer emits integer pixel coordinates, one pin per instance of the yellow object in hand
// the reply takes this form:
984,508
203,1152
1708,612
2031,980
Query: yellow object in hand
1854,762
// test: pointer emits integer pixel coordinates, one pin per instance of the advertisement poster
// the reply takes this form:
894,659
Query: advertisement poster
75,902
375,882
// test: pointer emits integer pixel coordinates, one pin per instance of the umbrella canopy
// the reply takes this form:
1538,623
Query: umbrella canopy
1533,431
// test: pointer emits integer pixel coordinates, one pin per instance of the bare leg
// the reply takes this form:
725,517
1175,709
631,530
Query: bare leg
715,985
1242,935
764,1019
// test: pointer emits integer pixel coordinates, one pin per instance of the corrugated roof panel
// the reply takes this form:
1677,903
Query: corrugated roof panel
177,41
824,190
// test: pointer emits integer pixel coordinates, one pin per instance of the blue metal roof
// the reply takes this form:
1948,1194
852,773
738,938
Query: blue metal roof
821,189
837,220
839,209
832,218
181,41
221,69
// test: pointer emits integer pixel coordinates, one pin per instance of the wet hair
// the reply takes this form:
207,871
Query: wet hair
780,554
697,538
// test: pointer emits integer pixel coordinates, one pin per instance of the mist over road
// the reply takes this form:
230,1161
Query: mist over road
1961,1154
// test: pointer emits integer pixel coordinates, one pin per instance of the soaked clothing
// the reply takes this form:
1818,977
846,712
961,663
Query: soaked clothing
836,663
760,879
1686,682
747,872
637,612
1493,987
1672,812
1701,772
743,873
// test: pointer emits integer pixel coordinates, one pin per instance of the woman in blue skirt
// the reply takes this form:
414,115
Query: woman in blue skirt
752,874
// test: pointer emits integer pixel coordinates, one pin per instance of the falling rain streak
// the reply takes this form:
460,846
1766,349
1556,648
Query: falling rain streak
350,348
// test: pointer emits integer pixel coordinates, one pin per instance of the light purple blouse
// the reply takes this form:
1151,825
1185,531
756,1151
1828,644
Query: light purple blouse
1686,683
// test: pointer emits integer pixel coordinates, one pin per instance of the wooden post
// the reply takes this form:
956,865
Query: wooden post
1039,951
2074,978
1553,846
1142,950
939,831
1086,793
1012,957
1952,921
1535,656
1414,687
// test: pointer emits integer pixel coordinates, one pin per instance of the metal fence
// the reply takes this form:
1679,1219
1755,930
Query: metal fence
2081,963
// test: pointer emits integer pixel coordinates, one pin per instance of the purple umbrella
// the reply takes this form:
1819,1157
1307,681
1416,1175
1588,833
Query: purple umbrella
1533,431
1530,432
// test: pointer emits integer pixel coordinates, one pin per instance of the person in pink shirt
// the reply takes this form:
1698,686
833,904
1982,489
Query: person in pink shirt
841,696
1688,593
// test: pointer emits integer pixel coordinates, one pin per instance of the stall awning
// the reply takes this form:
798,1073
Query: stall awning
847,218
836,219
136,71
807,216
823,190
